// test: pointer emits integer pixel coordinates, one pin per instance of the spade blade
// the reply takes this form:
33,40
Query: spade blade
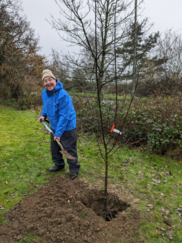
65,153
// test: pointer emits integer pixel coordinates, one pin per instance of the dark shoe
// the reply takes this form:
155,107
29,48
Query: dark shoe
56,168
73,175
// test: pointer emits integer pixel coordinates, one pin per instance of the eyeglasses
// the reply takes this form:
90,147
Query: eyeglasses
47,80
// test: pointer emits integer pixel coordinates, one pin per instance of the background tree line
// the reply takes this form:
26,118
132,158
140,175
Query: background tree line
20,65
158,56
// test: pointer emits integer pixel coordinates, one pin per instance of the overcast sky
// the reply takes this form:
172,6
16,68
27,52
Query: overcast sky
165,14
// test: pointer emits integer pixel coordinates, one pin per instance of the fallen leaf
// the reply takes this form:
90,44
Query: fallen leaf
156,181
170,234
178,213
147,211
167,221
140,172
1,207
162,209
136,200
150,206
179,208
6,182
168,212
162,229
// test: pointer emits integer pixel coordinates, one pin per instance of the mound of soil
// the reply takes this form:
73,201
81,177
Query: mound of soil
69,211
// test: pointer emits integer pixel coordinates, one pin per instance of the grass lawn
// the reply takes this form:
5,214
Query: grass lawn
105,96
152,183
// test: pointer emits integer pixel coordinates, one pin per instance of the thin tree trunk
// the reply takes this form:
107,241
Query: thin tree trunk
106,179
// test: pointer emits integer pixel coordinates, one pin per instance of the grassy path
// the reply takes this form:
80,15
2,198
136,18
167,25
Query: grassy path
94,95
152,184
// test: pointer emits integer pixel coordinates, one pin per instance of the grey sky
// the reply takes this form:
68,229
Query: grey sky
165,14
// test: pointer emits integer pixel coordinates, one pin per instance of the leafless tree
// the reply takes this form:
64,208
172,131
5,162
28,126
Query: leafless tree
171,48
18,50
77,27
98,27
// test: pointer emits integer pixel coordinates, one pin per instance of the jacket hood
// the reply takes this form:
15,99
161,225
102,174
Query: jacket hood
59,86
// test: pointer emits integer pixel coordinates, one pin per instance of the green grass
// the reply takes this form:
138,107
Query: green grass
138,177
24,156
29,238
93,94
146,179
106,96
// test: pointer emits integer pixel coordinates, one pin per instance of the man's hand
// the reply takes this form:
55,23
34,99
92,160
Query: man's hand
41,118
56,138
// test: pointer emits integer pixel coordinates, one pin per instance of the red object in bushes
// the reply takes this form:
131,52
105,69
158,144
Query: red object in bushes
112,128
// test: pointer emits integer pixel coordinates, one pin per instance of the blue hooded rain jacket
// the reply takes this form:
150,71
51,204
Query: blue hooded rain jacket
58,107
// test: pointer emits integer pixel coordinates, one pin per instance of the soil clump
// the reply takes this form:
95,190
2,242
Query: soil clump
69,211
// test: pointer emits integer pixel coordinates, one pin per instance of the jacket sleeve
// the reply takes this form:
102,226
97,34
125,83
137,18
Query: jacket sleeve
65,106
43,112
43,108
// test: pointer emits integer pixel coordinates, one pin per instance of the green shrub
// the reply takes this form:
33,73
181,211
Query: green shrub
155,122
28,101
165,87
10,102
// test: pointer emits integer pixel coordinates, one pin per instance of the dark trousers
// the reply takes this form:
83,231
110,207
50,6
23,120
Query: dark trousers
69,142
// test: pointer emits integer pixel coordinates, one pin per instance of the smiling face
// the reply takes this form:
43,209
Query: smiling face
49,83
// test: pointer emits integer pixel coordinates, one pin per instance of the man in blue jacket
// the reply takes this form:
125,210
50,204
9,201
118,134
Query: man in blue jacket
58,107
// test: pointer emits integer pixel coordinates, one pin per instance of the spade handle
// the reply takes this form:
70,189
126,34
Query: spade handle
60,145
